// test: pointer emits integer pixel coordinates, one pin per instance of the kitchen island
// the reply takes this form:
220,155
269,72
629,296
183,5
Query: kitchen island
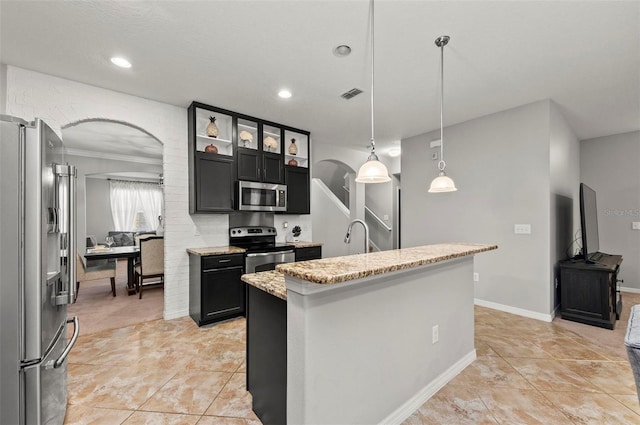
360,339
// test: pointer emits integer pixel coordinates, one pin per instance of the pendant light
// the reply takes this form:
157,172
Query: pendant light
372,171
442,183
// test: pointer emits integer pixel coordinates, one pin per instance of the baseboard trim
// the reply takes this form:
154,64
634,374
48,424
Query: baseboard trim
410,406
514,310
631,290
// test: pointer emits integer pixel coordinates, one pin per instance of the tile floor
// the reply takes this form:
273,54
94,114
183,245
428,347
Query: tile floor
172,372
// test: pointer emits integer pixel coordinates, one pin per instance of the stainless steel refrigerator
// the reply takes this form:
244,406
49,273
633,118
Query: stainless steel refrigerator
37,272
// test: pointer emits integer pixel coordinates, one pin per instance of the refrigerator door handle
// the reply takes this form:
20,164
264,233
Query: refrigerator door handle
72,342
66,194
71,247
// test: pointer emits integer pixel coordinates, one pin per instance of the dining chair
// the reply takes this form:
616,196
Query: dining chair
102,270
151,264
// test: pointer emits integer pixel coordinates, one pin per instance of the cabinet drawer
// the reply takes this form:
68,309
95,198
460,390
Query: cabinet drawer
222,261
308,253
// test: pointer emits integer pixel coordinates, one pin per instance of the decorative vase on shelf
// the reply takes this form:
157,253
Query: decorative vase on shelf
211,148
212,128
270,144
246,138
293,162
293,148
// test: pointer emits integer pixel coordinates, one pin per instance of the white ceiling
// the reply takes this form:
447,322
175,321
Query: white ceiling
237,55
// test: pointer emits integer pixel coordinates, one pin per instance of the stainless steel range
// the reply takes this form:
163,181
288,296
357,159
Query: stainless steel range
263,252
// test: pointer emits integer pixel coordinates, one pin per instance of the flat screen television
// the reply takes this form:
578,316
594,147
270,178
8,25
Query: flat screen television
589,223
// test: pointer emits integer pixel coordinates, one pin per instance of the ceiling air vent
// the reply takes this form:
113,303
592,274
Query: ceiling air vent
351,93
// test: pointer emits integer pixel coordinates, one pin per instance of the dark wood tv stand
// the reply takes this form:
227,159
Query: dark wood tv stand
588,292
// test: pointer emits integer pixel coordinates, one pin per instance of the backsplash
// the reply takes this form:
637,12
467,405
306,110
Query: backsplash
285,235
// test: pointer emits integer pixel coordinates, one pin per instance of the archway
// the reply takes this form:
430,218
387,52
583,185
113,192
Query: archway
105,149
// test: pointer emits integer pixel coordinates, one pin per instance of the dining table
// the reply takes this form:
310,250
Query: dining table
131,253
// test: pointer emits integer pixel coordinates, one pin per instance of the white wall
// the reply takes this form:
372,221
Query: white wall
564,160
331,225
3,88
611,166
98,209
501,166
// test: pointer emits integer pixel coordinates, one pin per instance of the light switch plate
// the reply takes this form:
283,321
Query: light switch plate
522,229
635,225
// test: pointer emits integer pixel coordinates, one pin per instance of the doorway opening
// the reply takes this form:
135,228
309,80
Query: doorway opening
105,152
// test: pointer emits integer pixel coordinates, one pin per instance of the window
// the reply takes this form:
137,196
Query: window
135,206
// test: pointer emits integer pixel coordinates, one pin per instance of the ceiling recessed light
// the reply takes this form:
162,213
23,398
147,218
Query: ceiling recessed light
342,50
393,152
121,62
285,94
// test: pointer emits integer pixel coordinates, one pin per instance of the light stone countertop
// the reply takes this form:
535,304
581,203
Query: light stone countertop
270,281
340,269
305,244
216,250
221,250
351,267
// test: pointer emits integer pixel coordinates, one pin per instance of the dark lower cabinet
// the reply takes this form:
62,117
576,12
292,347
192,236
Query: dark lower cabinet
267,355
216,291
298,194
214,188
588,292
308,253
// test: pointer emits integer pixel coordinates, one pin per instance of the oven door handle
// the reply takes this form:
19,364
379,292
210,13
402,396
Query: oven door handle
264,254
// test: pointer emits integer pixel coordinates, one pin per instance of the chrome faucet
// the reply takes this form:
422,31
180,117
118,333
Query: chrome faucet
347,238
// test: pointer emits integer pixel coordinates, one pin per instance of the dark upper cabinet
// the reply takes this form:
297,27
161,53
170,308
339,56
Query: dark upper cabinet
262,161
225,147
211,166
249,164
298,199
214,183
272,169
257,166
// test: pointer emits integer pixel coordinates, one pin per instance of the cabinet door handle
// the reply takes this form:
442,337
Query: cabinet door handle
226,260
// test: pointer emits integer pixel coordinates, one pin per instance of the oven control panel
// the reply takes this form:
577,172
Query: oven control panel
246,231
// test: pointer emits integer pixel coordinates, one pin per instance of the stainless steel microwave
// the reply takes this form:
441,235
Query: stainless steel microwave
253,196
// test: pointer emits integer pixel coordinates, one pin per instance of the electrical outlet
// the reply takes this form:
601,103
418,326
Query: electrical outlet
476,277
522,229
434,334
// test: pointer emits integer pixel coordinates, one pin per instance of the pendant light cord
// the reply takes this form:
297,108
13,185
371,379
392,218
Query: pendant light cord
442,164
373,143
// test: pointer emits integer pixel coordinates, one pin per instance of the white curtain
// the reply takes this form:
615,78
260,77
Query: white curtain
135,206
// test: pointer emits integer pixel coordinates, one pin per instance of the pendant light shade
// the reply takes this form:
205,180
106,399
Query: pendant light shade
442,183
372,171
